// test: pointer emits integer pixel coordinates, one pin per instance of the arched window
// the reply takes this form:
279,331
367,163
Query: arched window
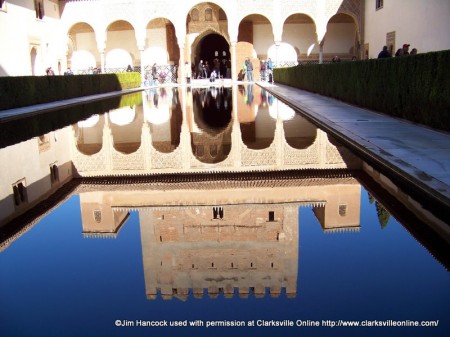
222,15
208,14
195,15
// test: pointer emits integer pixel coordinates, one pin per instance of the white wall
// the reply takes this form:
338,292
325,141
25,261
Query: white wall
301,36
340,38
424,24
24,160
21,30
262,38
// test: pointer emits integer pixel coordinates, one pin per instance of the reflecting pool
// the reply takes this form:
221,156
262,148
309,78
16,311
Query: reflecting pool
209,211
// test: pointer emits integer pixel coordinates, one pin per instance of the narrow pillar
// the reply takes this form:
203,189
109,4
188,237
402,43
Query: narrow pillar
141,52
277,48
102,60
233,61
321,52
236,137
181,66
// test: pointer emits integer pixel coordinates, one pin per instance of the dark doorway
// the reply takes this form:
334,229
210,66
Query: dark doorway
213,46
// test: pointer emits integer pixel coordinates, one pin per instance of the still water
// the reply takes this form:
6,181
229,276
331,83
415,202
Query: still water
257,223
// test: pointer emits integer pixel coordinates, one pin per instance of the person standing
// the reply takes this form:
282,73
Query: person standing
154,74
405,49
384,53
200,69
262,70
270,70
249,68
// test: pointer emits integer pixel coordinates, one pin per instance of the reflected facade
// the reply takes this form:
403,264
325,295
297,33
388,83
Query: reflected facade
217,240
207,203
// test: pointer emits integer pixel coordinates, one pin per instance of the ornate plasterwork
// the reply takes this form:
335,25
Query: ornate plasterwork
321,154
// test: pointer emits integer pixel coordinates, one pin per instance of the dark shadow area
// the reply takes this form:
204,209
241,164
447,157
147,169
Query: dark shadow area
3,71
22,129
230,180
24,222
212,107
420,230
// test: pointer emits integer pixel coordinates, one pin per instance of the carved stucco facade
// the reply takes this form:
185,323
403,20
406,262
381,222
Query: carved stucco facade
217,238
53,39
317,152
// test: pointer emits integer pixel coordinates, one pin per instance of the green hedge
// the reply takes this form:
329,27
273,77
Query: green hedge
22,129
416,88
16,92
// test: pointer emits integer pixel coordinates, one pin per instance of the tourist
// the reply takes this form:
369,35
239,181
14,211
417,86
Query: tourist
50,71
405,49
262,69
216,66
228,69
154,74
129,68
200,69
243,71
213,76
270,70
207,70
384,53
413,51
249,68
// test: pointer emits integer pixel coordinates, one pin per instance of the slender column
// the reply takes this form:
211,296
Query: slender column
185,134
236,137
277,48
108,144
321,51
181,66
233,61
279,141
102,60
141,52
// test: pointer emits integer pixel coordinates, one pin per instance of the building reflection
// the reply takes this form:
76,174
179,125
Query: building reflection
218,240
218,129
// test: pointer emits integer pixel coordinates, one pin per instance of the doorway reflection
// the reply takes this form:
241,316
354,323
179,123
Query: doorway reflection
214,240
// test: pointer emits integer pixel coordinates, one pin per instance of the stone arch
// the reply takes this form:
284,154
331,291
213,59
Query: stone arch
89,134
219,43
126,126
255,36
342,37
211,134
299,31
120,38
196,31
82,47
255,120
299,133
162,45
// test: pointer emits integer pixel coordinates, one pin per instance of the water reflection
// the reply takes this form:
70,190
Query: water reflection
208,238
188,130
212,125
229,192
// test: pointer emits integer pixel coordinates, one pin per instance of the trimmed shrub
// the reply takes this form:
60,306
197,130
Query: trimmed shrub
20,91
415,88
